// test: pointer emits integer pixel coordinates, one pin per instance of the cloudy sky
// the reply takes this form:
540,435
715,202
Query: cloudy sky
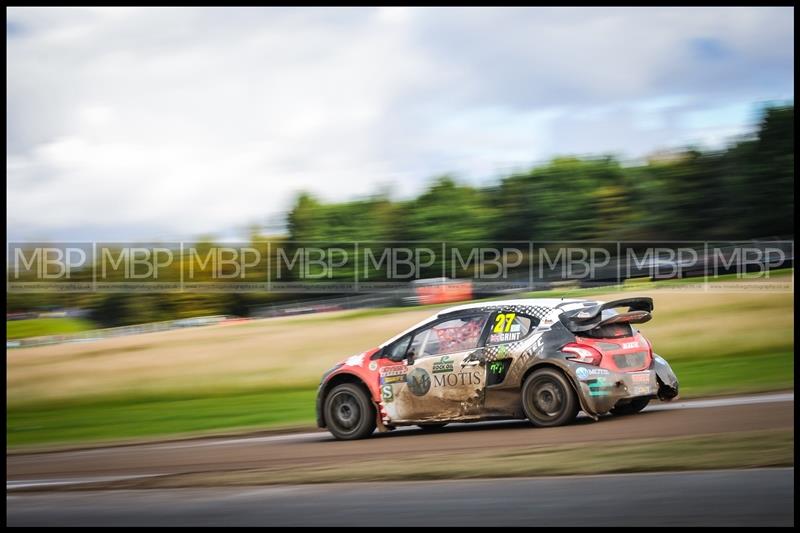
169,123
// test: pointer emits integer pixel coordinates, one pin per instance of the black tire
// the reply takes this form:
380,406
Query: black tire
432,426
630,408
349,414
548,399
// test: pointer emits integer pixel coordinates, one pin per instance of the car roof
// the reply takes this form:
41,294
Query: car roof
492,304
552,303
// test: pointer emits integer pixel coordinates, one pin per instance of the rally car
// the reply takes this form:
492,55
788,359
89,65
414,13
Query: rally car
540,359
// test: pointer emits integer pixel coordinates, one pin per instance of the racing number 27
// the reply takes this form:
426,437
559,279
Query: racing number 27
503,321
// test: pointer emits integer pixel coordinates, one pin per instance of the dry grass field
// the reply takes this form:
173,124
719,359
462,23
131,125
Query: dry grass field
718,343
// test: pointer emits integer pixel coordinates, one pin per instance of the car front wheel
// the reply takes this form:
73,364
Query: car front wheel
349,413
548,399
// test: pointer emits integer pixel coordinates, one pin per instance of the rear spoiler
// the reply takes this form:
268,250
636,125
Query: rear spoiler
587,318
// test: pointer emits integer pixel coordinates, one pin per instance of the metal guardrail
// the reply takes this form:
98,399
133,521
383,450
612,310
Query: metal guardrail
121,331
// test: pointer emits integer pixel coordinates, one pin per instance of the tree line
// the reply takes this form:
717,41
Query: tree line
742,192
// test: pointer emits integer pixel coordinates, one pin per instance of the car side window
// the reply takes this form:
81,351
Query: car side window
510,327
397,351
449,336
418,343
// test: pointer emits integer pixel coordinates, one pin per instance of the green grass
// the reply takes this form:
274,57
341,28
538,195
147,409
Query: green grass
130,417
734,374
37,327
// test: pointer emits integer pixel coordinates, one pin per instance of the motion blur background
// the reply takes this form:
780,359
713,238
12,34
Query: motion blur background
393,124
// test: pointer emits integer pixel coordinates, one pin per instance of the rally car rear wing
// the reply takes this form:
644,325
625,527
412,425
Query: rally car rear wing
587,318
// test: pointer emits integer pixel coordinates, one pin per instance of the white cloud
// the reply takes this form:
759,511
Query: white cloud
168,123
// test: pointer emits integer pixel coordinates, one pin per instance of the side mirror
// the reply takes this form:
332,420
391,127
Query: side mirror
410,357
478,357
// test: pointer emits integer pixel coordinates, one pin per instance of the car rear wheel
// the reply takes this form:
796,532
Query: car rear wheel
630,408
548,399
349,413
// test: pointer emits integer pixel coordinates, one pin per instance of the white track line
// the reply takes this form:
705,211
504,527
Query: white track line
319,435
316,436
723,402
29,483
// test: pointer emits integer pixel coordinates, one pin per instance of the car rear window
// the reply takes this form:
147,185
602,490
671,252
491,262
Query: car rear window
609,331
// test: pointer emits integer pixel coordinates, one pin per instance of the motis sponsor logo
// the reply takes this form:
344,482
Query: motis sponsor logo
419,382
445,364
456,380
585,373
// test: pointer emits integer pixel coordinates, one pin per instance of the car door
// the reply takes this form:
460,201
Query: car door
443,379
504,352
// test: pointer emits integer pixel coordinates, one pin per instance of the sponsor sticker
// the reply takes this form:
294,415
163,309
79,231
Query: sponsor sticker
393,370
398,378
502,351
460,379
598,387
393,374
445,364
387,393
373,365
356,360
641,377
496,338
419,382
629,345
587,373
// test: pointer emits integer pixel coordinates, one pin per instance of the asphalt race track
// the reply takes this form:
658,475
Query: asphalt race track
714,498
721,415
757,497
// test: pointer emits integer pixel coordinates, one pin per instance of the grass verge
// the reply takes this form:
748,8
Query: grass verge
37,327
125,418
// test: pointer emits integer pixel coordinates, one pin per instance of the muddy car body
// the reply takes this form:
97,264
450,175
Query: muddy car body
541,359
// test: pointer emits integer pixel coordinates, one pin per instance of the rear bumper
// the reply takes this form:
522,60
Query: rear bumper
667,380
601,389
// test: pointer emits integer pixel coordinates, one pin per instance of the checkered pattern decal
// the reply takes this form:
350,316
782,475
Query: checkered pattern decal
503,351
536,311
